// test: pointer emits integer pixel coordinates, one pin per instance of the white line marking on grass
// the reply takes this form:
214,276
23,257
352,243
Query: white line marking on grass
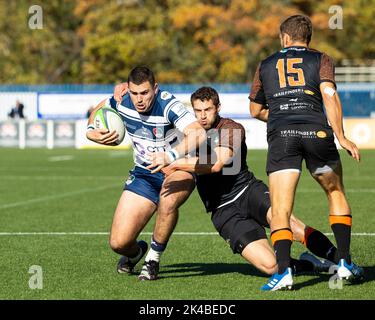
56,196
15,177
120,154
60,158
347,190
358,234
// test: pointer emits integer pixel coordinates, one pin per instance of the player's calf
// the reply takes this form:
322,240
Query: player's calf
126,264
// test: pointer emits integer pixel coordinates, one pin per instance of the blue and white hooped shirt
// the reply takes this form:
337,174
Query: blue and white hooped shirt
155,130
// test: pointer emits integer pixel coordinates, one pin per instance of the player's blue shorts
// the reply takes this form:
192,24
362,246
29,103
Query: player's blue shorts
144,183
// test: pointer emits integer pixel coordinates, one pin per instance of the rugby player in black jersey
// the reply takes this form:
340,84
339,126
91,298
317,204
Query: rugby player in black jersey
291,90
239,202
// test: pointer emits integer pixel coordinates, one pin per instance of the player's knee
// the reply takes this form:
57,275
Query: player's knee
298,229
330,184
332,187
119,245
268,268
167,208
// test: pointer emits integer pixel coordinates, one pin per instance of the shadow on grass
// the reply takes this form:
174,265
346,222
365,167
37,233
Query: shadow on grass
184,270
369,273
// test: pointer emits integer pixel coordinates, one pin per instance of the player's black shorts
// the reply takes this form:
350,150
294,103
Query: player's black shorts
243,220
289,145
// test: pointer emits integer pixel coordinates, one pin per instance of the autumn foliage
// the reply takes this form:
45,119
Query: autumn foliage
183,41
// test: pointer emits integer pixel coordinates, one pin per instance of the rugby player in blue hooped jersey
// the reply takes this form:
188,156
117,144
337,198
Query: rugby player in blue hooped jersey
153,119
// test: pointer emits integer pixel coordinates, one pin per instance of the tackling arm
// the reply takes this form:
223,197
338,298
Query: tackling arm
194,136
223,156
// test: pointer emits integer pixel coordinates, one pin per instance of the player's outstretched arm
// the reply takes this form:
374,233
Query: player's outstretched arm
194,136
120,90
333,109
258,111
223,155
101,136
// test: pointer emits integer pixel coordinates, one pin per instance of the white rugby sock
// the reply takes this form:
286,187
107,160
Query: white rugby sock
153,255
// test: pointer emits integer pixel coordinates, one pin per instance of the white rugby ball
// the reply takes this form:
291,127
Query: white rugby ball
108,118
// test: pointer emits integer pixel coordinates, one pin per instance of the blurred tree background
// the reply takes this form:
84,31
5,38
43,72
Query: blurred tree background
183,41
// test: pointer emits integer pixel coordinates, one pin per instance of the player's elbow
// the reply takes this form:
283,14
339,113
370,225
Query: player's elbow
217,167
255,112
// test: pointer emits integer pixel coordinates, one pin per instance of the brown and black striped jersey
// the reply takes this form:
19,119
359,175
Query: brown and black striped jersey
217,188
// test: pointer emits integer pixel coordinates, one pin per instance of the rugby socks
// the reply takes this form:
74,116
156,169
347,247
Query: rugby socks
317,243
282,241
301,266
341,227
137,257
155,251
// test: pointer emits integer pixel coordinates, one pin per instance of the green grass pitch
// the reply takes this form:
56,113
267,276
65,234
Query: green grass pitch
67,191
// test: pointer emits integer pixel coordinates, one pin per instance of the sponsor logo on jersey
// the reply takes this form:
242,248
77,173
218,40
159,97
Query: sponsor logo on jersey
165,95
321,134
284,107
130,180
309,92
180,109
158,132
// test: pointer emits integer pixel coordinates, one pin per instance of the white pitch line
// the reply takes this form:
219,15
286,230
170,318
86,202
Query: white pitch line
15,177
61,195
358,234
61,158
347,190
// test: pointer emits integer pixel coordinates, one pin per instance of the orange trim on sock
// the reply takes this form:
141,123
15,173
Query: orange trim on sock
340,219
282,234
308,231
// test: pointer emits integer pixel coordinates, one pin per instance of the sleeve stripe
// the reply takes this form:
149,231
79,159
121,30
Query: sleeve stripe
181,116
168,108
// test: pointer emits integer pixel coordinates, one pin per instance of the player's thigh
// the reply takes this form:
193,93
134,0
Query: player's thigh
260,254
331,180
255,203
320,151
175,190
132,214
332,184
284,150
282,185
236,230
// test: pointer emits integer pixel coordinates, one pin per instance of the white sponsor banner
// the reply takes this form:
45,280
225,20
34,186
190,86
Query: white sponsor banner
8,101
9,134
67,106
256,133
75,106
233,105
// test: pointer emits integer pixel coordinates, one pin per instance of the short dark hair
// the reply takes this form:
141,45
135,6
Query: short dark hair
298,27
206,94
140,75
